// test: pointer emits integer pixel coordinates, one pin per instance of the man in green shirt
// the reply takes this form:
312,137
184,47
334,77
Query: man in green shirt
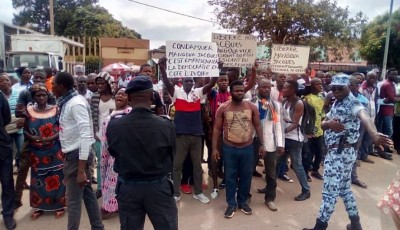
314,147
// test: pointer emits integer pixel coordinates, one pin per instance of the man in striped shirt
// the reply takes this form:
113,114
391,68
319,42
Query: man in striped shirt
189,128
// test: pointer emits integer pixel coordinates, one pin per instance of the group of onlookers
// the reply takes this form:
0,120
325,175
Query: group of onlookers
266,116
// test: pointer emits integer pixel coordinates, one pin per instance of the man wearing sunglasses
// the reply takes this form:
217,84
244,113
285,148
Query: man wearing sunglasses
341,127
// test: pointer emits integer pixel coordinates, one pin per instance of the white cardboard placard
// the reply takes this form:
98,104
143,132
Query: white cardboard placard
236,50
289,59
191,59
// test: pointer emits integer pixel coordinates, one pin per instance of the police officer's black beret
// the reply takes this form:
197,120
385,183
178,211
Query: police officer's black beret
139,84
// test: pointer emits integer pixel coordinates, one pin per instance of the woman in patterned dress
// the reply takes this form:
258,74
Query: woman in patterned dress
47,191
390,205
108,176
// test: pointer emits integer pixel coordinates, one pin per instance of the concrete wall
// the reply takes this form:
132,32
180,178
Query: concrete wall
124,50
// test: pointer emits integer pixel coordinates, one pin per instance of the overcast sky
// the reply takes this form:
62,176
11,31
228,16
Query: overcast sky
159,26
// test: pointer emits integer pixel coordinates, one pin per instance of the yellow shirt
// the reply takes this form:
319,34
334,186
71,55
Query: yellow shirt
317,101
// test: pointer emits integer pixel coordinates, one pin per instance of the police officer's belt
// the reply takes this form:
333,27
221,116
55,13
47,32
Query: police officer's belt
344,145
152,180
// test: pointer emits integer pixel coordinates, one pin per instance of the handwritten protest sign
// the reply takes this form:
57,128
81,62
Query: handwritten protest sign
191,59
289,59
236,50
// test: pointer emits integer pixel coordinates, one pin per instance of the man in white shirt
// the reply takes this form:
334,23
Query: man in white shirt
270,116
76,137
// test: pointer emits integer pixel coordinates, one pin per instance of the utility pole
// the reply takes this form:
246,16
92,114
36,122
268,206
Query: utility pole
51,17
387,41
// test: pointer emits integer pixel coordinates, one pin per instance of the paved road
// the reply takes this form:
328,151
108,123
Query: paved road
291,214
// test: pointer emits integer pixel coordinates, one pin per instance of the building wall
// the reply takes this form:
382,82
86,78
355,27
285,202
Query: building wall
124,53
124,50
125,61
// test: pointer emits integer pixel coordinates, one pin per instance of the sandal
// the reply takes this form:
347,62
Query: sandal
36,214
59,213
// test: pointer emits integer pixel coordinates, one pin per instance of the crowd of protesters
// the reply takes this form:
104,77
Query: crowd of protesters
64,129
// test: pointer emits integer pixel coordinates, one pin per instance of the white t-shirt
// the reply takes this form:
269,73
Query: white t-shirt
295,134
105,108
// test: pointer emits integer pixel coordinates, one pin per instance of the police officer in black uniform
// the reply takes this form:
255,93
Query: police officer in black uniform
143,145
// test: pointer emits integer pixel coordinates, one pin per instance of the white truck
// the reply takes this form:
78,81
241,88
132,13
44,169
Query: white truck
40,51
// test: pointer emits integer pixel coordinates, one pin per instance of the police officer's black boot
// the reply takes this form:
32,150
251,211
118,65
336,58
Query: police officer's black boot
355,223
319,225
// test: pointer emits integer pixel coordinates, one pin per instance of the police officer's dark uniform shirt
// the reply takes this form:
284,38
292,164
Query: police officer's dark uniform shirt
142,143
5,119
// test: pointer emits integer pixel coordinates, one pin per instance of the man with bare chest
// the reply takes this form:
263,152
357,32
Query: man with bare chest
237,120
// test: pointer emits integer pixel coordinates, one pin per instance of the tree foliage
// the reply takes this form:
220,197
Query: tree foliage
95,21
93,64
374,37
322,25
71,18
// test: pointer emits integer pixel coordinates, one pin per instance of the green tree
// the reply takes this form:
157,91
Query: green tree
374,37
321,24
71,18
36,13
93,64
95,21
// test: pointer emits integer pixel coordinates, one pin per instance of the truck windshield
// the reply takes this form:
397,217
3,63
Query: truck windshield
31,60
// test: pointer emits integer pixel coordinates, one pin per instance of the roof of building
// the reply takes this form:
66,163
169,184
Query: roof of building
19,27
124,43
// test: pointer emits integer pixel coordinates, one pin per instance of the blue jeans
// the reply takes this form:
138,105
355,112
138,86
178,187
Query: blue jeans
238,166
384,124
7,182
363,143
18,140
294,149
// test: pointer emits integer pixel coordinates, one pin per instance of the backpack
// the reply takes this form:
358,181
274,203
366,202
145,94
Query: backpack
307,126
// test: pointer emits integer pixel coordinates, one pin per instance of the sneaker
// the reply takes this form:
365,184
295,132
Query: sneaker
303,196
185,188
360,183
230,211
245,209
367,160
222,185
9,222
259,163
214,193
309,179
202,198
177,198
271,205
317,175
286,178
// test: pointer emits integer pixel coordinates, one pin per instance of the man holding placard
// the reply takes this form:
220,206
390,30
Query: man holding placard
188,128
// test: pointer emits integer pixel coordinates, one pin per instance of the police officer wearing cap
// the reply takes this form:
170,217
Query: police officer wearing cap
143,145
341,127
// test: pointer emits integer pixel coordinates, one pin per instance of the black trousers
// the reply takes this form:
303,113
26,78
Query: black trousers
396,133
270,160
155,199
7,182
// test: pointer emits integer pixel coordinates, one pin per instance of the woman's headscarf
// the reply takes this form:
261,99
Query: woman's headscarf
38,87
